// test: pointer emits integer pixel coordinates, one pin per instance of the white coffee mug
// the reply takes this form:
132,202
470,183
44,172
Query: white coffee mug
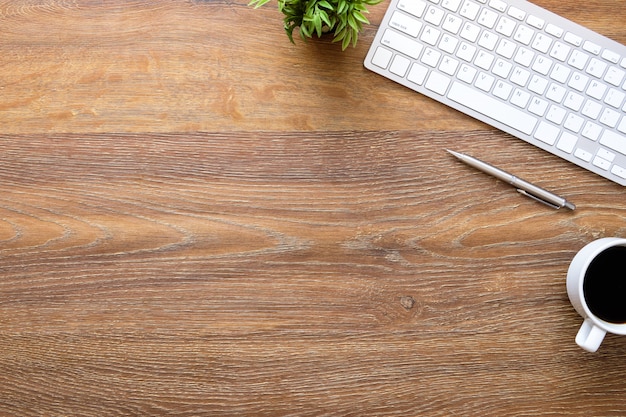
595,286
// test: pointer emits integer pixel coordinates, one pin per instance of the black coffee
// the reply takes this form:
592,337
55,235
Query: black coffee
604,286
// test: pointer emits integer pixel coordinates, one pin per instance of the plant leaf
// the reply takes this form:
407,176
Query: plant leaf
359,16
306,30
342,7
325,19
324,4
346,40
258,3
317,21
353,23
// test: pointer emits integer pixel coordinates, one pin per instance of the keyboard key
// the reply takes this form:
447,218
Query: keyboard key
506,48
484,60
614,141
614,76
591,47
448,65
431,57
434,15
402,44
609,156
554,30
610,56
470,32
448,43
556,93
573,101
524,34
619,171
591,109
538,106
452,24
591,131
542,43
484,81
516,13
382,57
596,68
538,85
542,65
488,40
601,163
556,114
547,133
614,98
437,83
452,5
493,108
560,73
573,39
400,65
499,5
535,22
466,51
560,51
506,26
520,98
609,117
417,74
488,18
502,90
502,68
430,35
405,24
469,10
567,142
596,90
414,7
583,154
524,56
578,81
573,122
578,59
520,76
467,73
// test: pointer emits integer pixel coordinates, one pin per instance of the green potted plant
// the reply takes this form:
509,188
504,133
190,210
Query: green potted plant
345,18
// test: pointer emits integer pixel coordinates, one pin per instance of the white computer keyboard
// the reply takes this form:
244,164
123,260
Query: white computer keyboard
515,66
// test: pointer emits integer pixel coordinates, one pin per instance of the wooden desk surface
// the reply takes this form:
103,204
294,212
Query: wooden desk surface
198,218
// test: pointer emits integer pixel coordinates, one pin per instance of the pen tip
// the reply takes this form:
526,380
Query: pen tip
458,155
570,206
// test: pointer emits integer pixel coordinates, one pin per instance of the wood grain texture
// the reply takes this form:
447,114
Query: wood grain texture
198,220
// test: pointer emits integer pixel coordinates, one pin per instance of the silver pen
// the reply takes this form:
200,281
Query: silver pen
523,187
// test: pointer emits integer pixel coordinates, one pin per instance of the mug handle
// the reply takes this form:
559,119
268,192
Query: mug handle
590,336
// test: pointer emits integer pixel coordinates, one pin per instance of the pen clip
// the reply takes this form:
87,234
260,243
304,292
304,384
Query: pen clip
534,197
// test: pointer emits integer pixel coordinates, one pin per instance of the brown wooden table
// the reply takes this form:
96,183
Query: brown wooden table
198,218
